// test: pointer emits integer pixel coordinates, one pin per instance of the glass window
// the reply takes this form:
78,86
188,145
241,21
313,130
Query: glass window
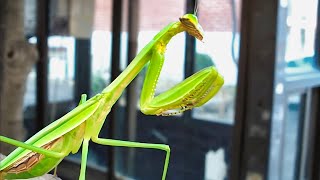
60,75
295,55
153,17
287,138
149,26
300,28
197,147
292,135
220,49
101,46
60,81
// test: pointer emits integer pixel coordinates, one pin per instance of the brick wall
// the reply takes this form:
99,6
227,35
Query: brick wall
214,15
102,16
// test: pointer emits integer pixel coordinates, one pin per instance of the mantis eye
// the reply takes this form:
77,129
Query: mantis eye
190,22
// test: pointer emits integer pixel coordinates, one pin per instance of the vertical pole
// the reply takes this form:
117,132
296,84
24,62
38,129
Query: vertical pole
42,64
2,36
255,90
132,98
115,71
189,53
314,170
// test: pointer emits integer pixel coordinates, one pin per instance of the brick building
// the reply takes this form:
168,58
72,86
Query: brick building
214,15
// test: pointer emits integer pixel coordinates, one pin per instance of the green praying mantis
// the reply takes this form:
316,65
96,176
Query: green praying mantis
47,148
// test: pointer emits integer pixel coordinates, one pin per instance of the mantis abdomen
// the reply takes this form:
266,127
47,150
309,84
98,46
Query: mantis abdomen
35,164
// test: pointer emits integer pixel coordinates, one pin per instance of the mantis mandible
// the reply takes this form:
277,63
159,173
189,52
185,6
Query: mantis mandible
47,148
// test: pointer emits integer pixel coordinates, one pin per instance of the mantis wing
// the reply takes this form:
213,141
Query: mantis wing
56,129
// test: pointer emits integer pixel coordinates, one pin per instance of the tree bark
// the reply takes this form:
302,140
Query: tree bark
17,58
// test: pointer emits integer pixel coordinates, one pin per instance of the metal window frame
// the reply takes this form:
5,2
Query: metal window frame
255,90
42,34
82,75
246,160
314,165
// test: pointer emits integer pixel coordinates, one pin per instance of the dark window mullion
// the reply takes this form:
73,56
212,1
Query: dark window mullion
314,155
82,68
115,71
254,101
189,53
301,127
42,64
132,97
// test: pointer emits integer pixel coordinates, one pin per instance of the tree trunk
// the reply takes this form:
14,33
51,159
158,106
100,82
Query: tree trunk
17,57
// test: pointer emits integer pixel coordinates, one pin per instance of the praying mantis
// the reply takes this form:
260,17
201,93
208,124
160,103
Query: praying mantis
47,148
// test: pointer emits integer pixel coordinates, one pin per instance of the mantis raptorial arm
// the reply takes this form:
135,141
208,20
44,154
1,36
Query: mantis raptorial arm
193,92
50,145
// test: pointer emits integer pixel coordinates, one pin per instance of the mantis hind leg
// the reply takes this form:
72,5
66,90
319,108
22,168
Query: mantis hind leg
119,143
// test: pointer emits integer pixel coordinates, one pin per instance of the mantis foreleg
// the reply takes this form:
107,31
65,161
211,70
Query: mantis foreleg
193,92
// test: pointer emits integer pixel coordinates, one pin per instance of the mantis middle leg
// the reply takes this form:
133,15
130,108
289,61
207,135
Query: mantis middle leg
120,143
84,157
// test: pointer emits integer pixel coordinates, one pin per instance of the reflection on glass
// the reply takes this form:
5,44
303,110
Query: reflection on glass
300,30
219,50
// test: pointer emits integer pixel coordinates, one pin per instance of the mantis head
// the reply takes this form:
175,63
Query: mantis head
192,26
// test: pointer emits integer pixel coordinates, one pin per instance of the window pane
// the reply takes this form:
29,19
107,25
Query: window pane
60,75
154,16
286,139
220,49
60,81
30,94
292,137
199,149
300,30
101,46
29,103
150,25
